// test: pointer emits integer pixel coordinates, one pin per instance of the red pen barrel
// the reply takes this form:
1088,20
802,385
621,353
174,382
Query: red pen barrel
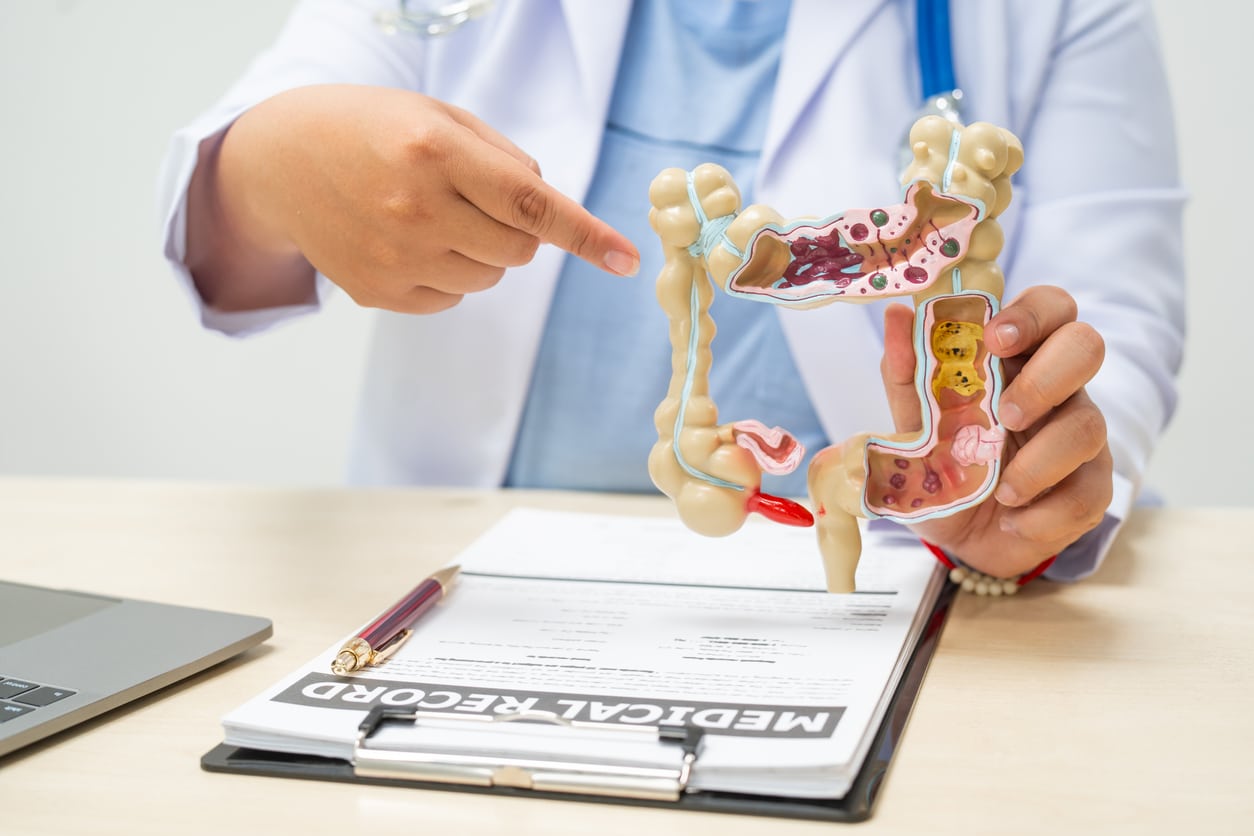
407,610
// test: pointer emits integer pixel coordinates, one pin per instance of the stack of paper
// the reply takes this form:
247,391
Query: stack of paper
636,623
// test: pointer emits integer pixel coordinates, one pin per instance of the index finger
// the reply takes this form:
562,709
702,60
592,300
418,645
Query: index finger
1060,367
1025,323
513,194
491,135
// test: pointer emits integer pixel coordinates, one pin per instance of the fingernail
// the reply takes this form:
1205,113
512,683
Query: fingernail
1008,334
1007,525
1011,415
624,264
1006,495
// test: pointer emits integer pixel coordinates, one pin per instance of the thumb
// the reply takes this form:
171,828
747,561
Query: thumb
897,367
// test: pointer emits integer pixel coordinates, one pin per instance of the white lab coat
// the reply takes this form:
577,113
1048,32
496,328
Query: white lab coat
1097,205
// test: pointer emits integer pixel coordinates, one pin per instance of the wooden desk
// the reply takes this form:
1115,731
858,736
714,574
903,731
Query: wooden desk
1119,705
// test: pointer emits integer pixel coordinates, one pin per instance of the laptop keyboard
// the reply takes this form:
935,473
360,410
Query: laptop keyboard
21,696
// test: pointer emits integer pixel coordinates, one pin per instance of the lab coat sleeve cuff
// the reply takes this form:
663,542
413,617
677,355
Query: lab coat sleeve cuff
1083,557
180,164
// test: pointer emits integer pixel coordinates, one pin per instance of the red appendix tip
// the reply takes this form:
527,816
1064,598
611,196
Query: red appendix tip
780,510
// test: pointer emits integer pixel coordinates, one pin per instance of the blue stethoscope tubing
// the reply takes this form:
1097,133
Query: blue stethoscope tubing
938,85
936,56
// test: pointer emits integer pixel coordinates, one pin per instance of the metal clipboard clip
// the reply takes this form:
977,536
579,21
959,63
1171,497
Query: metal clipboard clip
532,771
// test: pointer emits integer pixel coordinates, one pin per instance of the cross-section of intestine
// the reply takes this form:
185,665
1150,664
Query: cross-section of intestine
868,253
938,245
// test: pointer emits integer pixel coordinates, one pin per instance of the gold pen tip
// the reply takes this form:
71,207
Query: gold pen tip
445,576
345,663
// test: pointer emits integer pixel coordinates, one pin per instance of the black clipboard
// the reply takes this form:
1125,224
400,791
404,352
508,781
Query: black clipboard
857,805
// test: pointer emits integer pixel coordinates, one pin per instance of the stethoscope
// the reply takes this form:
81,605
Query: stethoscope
941,94
431,18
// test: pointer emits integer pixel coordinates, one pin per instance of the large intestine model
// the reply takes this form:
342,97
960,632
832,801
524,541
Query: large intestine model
937,246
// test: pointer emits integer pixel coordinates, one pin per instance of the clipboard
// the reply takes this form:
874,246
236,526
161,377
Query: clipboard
857,804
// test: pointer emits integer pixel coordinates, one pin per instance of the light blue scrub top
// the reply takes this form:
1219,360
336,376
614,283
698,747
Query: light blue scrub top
694,86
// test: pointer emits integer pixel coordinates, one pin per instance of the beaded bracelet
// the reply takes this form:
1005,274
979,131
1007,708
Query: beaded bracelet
981,584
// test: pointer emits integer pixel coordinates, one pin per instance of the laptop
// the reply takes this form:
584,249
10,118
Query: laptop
66,657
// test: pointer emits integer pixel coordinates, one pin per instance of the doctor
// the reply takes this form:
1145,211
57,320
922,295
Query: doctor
444,181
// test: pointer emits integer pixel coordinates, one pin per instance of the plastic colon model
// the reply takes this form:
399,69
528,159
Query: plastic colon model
938,246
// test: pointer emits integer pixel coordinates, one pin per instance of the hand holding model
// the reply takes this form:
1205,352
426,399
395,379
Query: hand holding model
405,202
1057,480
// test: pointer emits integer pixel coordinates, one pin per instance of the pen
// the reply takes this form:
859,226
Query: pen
390,630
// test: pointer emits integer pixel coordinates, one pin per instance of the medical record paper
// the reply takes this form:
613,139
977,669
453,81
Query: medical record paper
636,622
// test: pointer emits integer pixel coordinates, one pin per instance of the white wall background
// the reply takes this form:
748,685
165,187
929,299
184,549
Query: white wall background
103,367
104,372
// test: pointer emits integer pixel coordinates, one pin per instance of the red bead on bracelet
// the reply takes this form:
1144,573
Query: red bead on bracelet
981,584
